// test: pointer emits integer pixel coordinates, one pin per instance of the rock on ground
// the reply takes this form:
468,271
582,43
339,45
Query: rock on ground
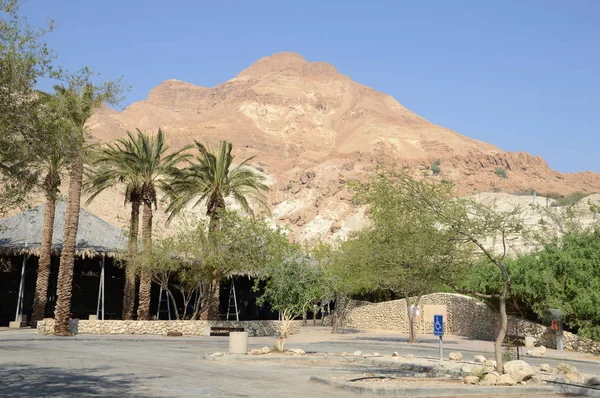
296,351
535,380
265,350
480,358
506,380
471,379
491,363
566,368
395,354
518,370
545,368
455,356
358,353
491,379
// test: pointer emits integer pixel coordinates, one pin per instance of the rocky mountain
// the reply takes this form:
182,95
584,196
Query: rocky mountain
313,129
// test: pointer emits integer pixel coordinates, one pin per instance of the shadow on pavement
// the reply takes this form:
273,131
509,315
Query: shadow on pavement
17,380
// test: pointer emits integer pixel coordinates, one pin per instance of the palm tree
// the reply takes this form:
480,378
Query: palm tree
211,178
111,167
145,167
76,105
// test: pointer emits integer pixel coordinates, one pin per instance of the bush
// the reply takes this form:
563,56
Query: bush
435,167
570,199
526,192
500,171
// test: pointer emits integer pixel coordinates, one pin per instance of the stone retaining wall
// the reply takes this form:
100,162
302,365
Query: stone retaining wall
465,316
194,328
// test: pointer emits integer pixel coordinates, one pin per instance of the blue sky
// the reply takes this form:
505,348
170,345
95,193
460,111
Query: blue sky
523,75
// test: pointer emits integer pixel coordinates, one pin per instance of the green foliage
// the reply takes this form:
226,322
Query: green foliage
496,189
435,167
526,192
564,274
570,199
501,172
211,178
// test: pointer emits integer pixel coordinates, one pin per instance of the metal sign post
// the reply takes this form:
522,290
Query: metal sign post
438,330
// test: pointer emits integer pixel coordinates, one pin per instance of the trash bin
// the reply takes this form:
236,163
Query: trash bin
238,342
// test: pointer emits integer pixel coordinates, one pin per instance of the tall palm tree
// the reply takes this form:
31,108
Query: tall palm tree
210,178
146,166
75,105
112,166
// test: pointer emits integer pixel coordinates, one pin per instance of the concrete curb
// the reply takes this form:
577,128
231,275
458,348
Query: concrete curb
436,391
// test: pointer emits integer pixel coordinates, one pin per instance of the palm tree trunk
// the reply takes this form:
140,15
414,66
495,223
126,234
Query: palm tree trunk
146,278
129,289
43,273
62,311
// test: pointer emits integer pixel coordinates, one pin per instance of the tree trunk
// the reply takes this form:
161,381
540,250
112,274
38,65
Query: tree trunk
43,273
146,278
214,303
411,318
315,307
62,312
502,333
129,289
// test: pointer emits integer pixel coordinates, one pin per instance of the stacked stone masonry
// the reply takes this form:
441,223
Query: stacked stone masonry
465,316
193,328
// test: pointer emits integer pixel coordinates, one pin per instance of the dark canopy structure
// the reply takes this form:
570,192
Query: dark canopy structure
98,243
22,234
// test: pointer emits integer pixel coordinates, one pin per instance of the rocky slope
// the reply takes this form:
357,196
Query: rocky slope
313,129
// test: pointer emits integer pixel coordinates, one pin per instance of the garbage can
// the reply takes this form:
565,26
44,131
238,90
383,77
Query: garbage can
238,342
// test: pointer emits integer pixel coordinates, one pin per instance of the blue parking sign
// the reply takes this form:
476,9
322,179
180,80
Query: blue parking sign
438,325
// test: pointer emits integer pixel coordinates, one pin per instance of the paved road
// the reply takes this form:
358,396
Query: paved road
146,366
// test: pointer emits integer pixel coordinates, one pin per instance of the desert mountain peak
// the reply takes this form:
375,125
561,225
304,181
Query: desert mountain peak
313,129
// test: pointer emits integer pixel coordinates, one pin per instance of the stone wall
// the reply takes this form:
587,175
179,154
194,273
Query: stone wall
194,328
465,316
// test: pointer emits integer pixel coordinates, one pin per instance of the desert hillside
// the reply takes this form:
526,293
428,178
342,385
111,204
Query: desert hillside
313,129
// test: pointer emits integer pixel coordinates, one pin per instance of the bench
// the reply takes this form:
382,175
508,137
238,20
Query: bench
223,331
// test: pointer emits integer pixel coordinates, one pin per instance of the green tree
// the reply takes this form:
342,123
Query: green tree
211,178
292,279
75,104
404,250
468,224
24,58
143,164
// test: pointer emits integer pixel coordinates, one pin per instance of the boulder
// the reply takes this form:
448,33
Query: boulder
265,350
375,354
296,351
518,370
566,368
394,354
505,380
490,362
539,351
573,376
466,369
455,356
593,381
358,353
545,368
535,380
491,379
471,380
256,351
479,359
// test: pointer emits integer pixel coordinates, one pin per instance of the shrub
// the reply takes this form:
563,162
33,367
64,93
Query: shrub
525,192
496,189
500,171
570,199
435,167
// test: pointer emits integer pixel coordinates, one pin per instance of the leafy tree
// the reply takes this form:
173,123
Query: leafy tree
292,279
191,261
404,250
468,224
24,58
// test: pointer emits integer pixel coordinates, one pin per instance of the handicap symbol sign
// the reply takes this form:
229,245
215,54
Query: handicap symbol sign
438,325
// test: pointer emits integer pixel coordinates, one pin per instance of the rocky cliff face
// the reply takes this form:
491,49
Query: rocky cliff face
313,129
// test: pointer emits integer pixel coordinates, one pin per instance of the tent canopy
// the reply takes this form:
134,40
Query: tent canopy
22,233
